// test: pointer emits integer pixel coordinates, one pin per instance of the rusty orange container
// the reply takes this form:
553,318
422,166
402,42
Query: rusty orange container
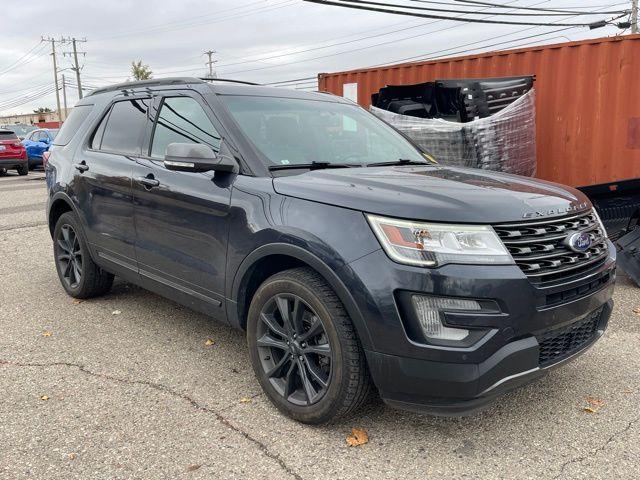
587,107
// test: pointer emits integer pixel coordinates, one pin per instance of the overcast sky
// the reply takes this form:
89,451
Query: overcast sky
263,41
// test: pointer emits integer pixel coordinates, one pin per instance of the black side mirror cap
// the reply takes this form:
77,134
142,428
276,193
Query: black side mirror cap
196,157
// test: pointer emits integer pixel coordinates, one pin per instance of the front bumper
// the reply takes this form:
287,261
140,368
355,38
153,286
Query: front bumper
411,374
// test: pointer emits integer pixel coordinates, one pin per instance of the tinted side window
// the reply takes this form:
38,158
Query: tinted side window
97,136
124,127
72,124
182,120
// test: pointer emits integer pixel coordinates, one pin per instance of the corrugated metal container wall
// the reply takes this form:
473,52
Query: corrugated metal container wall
588,101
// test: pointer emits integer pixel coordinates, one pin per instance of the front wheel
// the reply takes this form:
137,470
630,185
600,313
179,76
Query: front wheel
304,348
79,275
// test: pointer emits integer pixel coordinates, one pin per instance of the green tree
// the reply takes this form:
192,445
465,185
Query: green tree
43,110
140,71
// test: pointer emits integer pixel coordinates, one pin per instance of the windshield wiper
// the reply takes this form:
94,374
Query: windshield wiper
310,166
400,161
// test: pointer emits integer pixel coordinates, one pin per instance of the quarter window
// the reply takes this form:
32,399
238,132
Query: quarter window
182,120
124,127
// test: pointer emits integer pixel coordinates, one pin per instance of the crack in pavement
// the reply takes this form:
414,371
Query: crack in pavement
597,450
24,225
164,389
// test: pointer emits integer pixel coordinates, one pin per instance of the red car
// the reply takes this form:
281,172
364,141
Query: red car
12,153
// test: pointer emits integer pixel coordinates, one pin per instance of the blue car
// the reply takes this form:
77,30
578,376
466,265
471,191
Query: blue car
38,142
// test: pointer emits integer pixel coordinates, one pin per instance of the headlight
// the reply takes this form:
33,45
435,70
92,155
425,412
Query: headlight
433,244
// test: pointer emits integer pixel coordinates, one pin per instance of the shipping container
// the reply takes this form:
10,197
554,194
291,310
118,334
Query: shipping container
587,101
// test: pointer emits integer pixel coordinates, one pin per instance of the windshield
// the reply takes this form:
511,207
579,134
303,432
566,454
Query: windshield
53,133
21,130
298,132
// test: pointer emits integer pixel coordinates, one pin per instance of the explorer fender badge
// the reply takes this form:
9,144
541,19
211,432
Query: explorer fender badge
556,211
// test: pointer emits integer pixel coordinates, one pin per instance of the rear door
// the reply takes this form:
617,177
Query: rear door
181,218
103,171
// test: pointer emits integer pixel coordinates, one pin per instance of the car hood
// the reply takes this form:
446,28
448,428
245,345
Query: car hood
435,193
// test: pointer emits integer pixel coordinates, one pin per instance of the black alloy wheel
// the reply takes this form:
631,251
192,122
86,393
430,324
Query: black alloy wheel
294,349
69,256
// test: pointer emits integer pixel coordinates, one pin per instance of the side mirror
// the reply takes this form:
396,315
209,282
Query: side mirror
195,157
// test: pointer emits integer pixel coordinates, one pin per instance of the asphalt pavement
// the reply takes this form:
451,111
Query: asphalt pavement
131,385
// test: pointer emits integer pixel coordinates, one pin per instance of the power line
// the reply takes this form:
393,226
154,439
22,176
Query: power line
443,17
559,10
548,13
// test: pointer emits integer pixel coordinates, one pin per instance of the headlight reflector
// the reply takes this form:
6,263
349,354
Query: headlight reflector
433,244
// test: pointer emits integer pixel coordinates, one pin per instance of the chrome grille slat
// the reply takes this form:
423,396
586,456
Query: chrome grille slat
538,246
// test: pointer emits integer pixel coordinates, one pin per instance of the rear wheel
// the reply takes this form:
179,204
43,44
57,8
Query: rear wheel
23,169
304,348
79,275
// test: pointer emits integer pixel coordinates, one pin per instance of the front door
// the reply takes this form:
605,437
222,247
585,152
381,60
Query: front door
181,218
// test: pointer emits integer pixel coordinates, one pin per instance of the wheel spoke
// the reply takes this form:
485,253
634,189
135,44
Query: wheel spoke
64,257
65,235
309,389
76,272
63,245
315,329
280,368
269,342
271,322
289,380
315,372
285,313
296,316
67,270
322,349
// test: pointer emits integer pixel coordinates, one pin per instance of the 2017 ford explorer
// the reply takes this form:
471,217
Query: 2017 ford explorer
350,258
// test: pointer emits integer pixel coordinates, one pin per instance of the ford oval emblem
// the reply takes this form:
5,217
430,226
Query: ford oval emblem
579,241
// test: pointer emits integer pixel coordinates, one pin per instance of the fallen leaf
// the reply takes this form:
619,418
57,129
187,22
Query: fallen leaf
209,342
116,312
44,398
47,333
245,400
357,437
636,310
590,410
595,402
77,301
72,456
627,391
193,468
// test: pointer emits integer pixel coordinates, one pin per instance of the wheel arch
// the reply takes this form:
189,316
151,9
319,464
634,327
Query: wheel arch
279,257
60,204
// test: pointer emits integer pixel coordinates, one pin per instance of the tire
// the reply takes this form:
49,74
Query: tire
80,277
342,368
23,169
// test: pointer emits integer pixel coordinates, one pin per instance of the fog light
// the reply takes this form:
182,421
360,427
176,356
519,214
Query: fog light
428,311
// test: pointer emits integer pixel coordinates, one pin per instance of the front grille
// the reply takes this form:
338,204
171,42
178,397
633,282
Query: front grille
539,250
561,343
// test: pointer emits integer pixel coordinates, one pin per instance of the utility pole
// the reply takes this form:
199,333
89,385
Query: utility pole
76,65
634,16
64,95
55,72
210,63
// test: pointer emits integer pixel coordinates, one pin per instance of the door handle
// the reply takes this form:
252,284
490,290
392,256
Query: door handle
148,182
81,167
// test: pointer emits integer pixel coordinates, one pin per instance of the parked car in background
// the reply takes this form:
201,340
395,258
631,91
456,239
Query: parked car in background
347,255
37,143
12,153
21,129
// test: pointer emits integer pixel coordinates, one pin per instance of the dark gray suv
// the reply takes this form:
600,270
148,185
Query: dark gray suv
349,256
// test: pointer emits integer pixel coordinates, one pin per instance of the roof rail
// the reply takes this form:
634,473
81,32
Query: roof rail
146,83
230,80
